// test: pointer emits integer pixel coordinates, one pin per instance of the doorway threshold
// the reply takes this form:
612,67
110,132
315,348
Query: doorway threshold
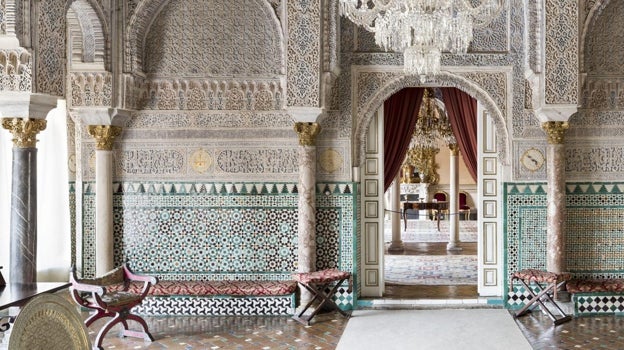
393,303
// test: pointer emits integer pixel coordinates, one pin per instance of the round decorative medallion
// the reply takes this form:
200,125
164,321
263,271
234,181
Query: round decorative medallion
201,161
330,160
532,159
49,322
71,163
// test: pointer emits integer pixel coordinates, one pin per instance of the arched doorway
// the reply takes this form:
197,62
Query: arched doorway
430,253
374,86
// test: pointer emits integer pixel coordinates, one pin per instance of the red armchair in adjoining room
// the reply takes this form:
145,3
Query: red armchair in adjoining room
464,208
440,196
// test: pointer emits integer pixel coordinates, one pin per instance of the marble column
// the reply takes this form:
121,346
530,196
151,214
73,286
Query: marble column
23,245
307,195
104,136
556,197
397,242
453,243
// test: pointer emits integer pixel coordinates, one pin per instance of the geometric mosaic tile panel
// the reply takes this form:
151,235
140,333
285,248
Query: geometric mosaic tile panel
216,306
594,228
517,298
217,231
344,299
586,304
525,233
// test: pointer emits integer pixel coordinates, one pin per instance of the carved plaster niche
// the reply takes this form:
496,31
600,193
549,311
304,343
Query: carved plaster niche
216,38
87,37
601,57
225,55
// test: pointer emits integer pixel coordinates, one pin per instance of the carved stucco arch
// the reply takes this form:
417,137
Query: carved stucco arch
94,30
445,79
141,21
594,14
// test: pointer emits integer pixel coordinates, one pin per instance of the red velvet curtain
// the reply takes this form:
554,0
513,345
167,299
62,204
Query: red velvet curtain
400,115
462,113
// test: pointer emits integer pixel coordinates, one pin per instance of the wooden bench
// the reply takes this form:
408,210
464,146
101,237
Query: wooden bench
217,298
597,296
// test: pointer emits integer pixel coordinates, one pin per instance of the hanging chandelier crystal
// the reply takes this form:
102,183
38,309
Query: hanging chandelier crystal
422,29
431,126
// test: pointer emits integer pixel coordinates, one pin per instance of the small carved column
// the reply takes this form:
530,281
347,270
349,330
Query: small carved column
397,242
556,198
307,195
453,202
23,246
104,136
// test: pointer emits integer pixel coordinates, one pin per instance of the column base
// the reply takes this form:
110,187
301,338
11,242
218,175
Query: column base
453,246
396,246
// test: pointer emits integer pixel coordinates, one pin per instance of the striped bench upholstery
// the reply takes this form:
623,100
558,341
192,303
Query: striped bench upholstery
216,298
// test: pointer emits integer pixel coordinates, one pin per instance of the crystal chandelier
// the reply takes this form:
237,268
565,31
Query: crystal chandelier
432,125
422,29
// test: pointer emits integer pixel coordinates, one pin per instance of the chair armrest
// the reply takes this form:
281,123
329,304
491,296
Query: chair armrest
84,287
131,276
148,281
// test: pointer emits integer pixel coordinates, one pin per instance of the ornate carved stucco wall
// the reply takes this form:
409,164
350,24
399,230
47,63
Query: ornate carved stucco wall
225,119
209,159
595,148
594,151
209,84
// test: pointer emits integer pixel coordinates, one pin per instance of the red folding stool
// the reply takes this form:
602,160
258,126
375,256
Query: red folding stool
317,283
546,285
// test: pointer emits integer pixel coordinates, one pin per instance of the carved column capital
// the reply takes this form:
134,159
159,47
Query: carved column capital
555,131
24,130
454,148
307,133
104,136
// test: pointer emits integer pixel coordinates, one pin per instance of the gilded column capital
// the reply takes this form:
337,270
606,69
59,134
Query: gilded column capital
555,131
454,148
24,130
307,133
104,136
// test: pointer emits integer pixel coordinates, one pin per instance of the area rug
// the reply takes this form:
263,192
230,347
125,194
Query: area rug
469,329
431,269
427,231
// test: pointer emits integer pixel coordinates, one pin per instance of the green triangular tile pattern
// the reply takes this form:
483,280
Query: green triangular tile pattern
241,188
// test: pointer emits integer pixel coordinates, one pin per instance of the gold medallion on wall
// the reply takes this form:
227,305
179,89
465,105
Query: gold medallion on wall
330,160
200,161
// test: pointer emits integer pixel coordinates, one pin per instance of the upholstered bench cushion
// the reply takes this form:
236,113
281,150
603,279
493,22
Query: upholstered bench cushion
323,276
595,285
118,298
534,275
237,288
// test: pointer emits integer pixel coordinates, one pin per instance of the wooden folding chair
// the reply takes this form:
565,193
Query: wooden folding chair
546,285
93,294
318,283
